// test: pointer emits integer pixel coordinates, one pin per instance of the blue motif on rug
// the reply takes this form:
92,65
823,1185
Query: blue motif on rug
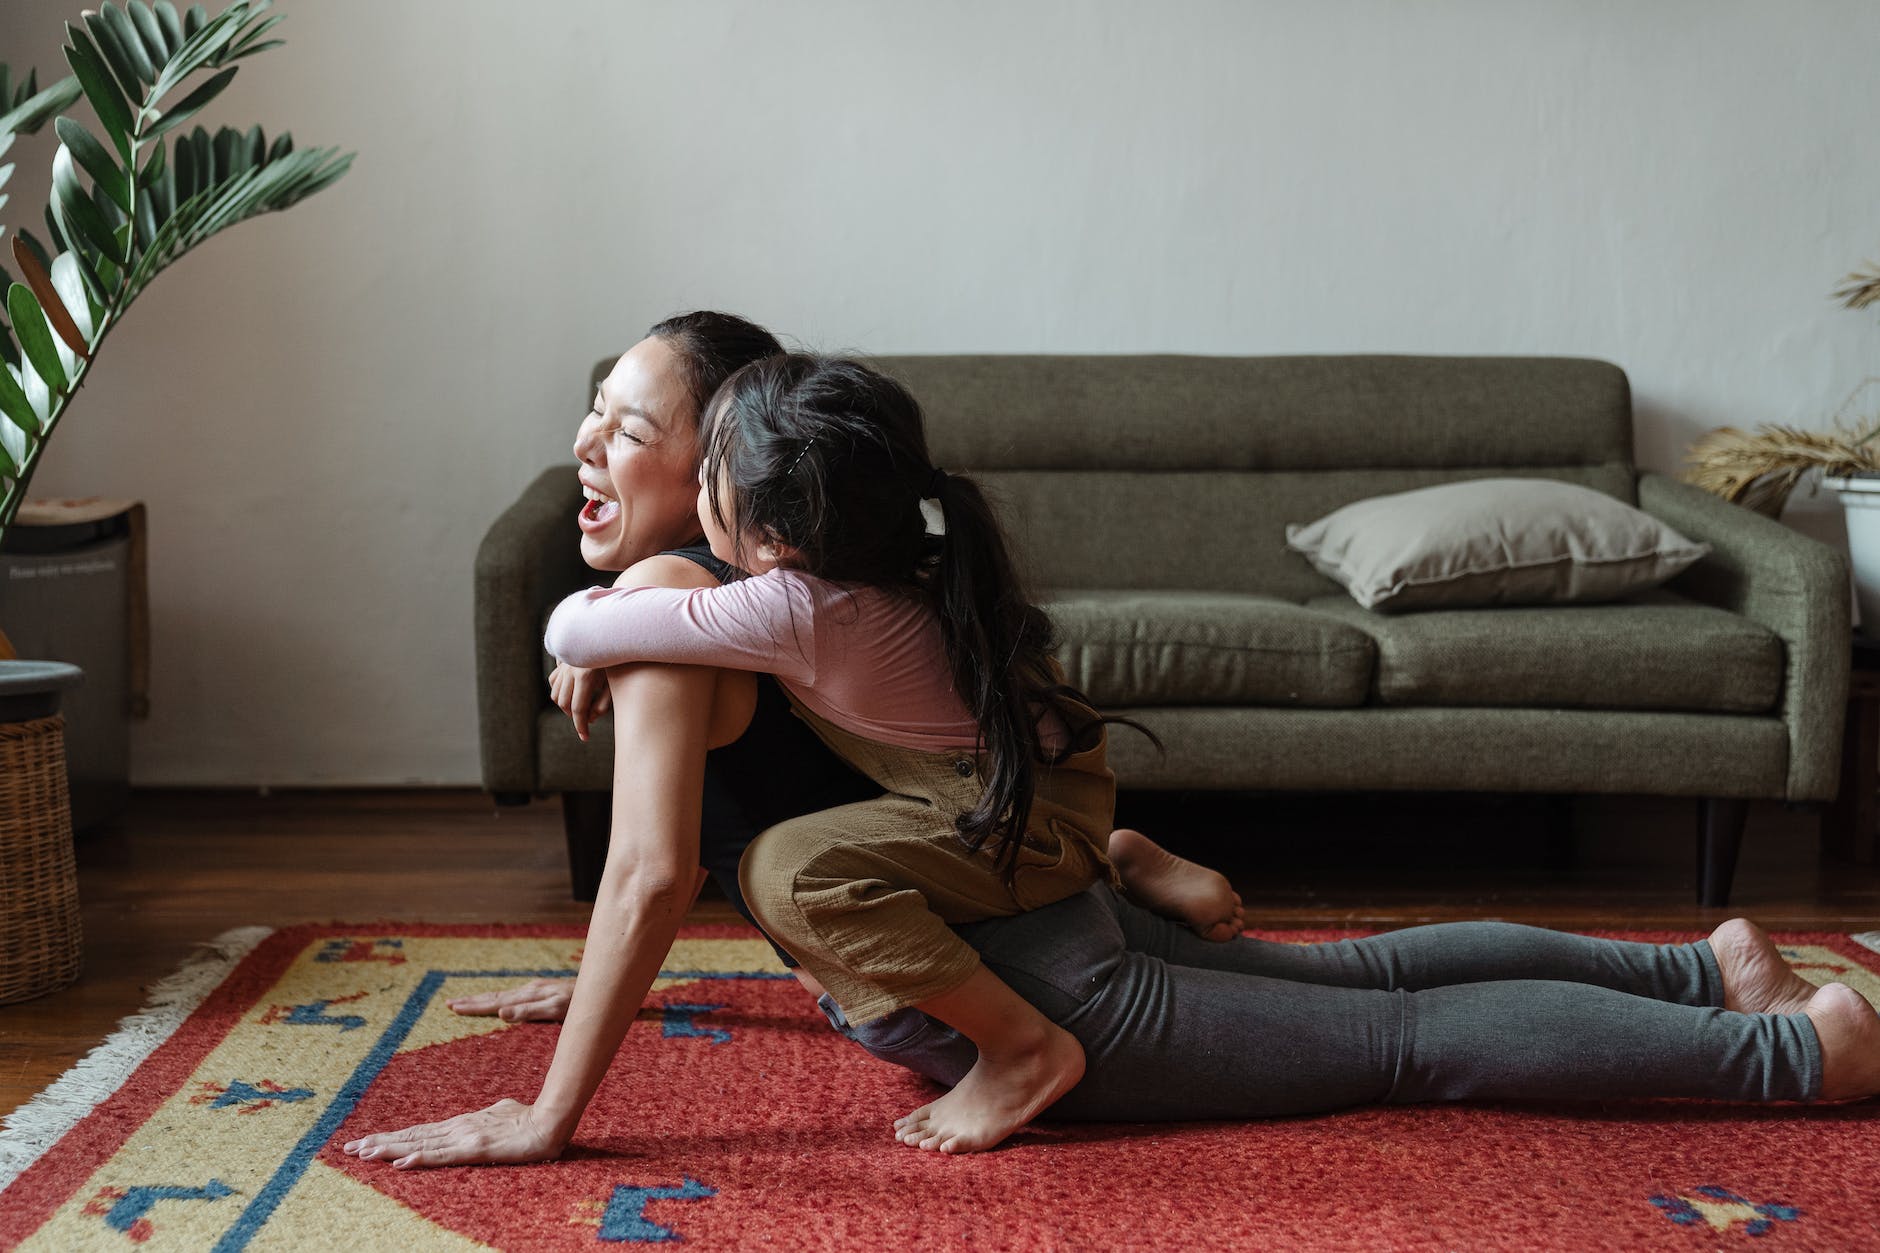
626,1222
1720,1202
678,1021
136,1202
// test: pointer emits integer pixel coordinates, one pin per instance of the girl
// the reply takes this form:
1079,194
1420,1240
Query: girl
886,603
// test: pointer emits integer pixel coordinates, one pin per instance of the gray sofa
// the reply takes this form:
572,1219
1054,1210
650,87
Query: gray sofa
1149,497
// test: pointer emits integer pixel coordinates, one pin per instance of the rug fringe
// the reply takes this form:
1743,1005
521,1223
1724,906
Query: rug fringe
36,1126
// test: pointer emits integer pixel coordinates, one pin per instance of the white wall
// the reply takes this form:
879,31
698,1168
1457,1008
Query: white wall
325,409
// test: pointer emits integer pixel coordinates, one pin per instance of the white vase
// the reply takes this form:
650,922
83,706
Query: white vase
1860,497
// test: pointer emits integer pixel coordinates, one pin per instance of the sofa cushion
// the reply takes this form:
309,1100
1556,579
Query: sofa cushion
1655,650
1129,648
1498,541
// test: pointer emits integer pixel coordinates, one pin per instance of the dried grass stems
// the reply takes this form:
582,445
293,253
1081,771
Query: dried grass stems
1759,469
1861,288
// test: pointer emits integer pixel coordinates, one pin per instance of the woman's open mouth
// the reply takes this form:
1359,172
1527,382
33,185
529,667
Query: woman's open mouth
599,511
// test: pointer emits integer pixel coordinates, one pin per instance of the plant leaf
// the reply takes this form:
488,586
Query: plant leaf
38,394
204,148
27,117
146,222
229,153
195,19
251,42
205,44
149,30
96,159
161,192
254,48
171,24
133,44
15,405
184,166
68,281
191,104
29,323
39,249
74,207
116,57
106,100
57,315
153,168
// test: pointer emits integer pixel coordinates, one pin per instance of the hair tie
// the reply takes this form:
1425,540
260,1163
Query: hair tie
931,512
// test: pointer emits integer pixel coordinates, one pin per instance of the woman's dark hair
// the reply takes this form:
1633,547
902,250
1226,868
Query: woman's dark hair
711,347
830,457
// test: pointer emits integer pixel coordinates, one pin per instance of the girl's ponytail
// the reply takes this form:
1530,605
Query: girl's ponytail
999,645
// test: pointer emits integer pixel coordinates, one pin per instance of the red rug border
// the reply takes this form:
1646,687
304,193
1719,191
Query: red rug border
32,1198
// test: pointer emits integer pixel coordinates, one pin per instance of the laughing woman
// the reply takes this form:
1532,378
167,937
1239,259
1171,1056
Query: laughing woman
1172,1025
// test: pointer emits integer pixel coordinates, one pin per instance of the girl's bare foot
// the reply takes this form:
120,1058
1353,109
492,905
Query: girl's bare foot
1755,978
998,1095
1849,1031
1176,887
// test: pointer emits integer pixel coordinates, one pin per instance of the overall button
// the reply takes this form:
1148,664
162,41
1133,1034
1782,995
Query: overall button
963,768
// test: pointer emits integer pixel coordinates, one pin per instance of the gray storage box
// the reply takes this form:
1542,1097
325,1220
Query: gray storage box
72,590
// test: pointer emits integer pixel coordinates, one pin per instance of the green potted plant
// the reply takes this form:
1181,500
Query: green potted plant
128,198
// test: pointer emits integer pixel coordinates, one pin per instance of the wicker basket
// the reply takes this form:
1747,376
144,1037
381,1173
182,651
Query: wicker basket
41,946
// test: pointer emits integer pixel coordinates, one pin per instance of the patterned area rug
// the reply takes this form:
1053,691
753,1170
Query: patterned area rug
735,1118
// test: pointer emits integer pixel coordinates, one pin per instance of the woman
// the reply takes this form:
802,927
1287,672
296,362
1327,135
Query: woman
1172,1026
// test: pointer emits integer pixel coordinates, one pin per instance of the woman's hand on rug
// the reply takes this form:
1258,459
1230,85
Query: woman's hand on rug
506,1133
538,1000
581,694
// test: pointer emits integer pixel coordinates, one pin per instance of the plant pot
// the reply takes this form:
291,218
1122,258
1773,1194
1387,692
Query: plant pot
41,947
1860,498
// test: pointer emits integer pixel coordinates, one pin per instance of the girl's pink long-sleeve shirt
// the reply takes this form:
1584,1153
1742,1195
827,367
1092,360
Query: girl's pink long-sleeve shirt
870,661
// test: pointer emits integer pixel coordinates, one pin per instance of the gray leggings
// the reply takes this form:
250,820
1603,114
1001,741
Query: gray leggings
1175,1027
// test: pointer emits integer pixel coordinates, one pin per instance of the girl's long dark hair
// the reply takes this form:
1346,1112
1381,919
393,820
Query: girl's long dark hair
830,457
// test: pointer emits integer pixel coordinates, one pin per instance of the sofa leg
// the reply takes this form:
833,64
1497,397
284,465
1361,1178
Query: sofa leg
585,819
1720,822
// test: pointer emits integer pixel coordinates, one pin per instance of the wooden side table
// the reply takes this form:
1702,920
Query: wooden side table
1850,828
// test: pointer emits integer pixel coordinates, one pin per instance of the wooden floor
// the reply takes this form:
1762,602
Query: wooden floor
182,867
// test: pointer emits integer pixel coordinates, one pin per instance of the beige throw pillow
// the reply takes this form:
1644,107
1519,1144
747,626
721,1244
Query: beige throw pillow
1492,542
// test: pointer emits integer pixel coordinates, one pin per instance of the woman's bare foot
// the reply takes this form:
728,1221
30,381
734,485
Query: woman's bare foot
998,1095
1176,887
1849,1031
1755,978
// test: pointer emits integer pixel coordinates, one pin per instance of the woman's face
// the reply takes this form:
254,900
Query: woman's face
639,461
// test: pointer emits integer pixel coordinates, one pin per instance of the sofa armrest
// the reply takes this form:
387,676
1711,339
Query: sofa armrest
1795,586
529,559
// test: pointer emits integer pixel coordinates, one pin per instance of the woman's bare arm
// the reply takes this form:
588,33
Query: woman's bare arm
664,719
662,714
